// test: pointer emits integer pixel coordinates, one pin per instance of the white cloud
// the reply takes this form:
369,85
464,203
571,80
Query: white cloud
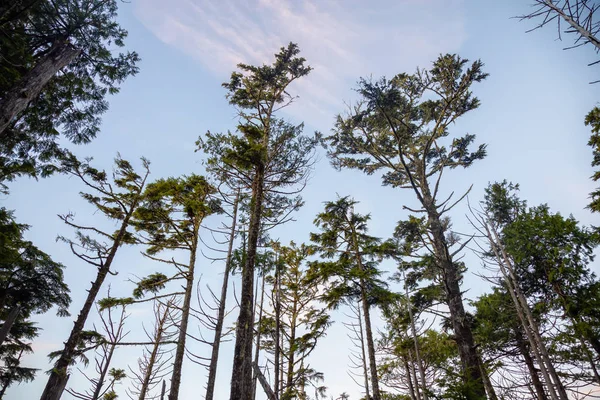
342,40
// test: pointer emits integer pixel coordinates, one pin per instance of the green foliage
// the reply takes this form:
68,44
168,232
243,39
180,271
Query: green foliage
397,126
593,120
172,211
353,253
29,278
73,101
153,283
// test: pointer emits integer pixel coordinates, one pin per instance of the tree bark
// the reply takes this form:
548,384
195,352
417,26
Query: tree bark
525,316
277,340
58,377
8,324
413,329
257,351
533,373
163,390
103,372
411,388
364,356
241,374
463,334
214,358
370,345
292,343
263,381
33,82
152,359
185,314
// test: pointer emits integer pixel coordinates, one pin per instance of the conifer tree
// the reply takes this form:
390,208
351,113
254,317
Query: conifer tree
350,270
58,64
117,199
170,217
296,318
401,128
268,157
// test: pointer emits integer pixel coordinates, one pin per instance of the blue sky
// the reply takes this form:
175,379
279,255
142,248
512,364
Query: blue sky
531,117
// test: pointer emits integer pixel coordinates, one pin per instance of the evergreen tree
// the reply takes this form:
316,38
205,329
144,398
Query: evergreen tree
57,66
301,323
352,273
400,127
268,157
171,216
117,199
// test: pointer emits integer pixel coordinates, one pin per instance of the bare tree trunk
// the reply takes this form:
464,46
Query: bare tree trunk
160,329
185,314
364,356
10,321
263,381
214,358
292,344
574,24
533,373
487,382
58,377
163,390
241,374
32,83
525,316
370,345
278,368
257,352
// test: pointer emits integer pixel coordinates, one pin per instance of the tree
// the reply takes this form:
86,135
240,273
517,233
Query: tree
102,386
57,66
352,273
219,320
153,365
580,16
400,127
296,318
117,199
30,281
171,216
557,252
268,155
593,120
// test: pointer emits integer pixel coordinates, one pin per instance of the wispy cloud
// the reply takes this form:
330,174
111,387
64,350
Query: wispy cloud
342,40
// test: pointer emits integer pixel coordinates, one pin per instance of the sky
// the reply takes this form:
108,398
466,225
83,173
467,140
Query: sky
531,117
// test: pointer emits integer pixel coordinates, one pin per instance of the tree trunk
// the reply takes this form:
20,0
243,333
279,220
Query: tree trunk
370,344
103,372
535,378
574,24
58,377
163,390
10,320
241,374
257,352
32,83
413,329
292,343
263,381
412,374
278,369
458,317
364,356
409,381
525,316
152,359
185,314
214,358
487,382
